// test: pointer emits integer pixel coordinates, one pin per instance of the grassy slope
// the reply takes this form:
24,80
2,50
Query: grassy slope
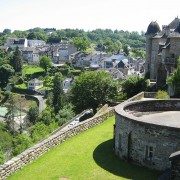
31,69
85,156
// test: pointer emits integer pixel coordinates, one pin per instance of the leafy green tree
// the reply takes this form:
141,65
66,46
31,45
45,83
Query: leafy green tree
45,63
58,93
5,138
174,81
7,31
81,43
6,71
39,131
33,114
16,60
65,114
47,116
133,85
92,89
126,49
21,142
2,156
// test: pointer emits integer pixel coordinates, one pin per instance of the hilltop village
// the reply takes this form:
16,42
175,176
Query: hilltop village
55,84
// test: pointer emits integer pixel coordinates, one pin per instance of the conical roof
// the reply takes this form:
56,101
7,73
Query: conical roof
153,28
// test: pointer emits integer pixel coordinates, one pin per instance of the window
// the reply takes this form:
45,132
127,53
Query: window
149,152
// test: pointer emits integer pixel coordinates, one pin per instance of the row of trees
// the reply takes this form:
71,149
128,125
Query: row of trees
98,36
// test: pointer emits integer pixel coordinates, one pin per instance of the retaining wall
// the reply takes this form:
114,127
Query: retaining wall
34,152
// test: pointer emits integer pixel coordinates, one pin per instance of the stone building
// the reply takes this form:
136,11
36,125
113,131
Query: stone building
148,132
162,50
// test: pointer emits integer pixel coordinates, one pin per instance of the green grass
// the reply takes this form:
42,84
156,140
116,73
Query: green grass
31,70
88,155
21,86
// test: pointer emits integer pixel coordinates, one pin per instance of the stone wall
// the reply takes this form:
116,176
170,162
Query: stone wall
132,138
175,165
34,152
154,105
135,140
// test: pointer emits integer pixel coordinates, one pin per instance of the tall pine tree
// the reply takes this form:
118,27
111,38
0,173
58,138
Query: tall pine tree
58,93
16,61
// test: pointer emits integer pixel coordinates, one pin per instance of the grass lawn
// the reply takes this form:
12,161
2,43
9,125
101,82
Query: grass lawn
88,155
31,69
21,86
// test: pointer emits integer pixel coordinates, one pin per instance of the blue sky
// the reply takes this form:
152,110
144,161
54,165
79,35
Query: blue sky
132,15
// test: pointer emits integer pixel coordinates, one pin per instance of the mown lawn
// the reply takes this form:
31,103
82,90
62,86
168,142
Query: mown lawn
88,155
31,70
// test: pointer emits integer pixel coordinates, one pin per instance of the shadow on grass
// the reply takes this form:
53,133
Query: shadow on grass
105,157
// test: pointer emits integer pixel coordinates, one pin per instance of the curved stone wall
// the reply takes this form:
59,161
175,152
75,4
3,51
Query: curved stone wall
146,143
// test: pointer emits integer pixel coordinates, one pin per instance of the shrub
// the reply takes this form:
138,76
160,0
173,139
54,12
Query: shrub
134,85
162,95
65,114
39,131
33,114
2,156
21,142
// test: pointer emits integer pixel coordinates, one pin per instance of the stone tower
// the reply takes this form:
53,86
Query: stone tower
152,29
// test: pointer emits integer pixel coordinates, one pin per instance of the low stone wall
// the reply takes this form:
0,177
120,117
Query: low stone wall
34,152
154,105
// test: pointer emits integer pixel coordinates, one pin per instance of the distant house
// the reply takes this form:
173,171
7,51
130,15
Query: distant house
67,83
35,84
36,43
30,55
16,42
113,60
115,73
92,60
61,52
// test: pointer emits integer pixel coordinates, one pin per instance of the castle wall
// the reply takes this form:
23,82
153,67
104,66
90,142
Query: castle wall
175,46
133,139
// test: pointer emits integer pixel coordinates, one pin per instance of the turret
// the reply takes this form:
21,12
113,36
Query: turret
152,29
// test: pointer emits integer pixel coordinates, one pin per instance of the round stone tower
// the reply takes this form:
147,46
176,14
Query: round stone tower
152,29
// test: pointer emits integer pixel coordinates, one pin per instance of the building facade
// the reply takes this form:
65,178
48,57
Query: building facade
162,50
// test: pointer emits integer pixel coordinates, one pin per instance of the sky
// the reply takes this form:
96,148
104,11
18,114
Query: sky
131,15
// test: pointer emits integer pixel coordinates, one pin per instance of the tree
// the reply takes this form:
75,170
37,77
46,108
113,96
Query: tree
33,114
47,116
45,63
39,131
126,49
16,60
133,85
6,71
65,114
21,142
174,81
92,89
2,156
7,31
58,93
81,43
